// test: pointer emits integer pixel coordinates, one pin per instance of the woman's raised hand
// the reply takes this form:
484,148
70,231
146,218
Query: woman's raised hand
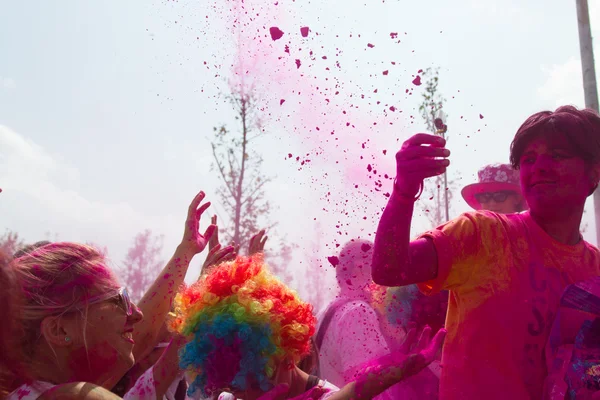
193,241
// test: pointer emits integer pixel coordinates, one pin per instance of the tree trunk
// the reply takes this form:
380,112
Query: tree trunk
238,191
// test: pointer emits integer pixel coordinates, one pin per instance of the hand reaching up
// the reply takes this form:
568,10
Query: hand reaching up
257,243
214,239
193,241
216,253
421,156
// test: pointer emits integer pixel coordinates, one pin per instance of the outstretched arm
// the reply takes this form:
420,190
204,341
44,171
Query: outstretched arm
396,260
380,374
157,300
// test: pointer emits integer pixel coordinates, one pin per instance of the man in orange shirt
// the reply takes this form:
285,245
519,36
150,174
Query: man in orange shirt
505,273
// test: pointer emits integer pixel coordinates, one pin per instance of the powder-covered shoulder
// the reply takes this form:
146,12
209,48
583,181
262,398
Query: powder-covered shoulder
477,224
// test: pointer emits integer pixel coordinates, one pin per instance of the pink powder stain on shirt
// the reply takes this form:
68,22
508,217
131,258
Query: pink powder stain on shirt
281,101
369,45
275,32
386,72
480,116
298,63
417,81
304,31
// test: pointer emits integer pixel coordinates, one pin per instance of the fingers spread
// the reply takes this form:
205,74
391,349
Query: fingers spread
201,210
194,204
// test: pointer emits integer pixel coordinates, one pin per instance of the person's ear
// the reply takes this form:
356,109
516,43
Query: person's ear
58,331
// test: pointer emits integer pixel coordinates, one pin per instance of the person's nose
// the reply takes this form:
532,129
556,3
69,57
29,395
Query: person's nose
543,163
136,316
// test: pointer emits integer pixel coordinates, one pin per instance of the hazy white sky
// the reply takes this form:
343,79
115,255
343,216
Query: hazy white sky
107,108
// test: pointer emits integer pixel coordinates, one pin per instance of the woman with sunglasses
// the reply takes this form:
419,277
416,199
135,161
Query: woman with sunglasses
79,325
498,190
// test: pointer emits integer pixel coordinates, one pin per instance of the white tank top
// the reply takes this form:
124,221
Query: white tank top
144,389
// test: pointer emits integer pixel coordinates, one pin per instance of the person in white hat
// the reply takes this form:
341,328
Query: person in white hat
498,190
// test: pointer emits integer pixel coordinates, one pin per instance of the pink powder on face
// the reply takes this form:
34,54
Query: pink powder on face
304,31
417,81
365,247
88,365
276,33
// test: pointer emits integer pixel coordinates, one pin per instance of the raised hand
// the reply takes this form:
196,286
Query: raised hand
217,255
193,241
429,348
214,239
257,243
422,156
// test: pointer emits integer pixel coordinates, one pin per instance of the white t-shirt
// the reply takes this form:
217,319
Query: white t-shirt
144,389
353,338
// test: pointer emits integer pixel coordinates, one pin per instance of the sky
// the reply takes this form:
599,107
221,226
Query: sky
107,108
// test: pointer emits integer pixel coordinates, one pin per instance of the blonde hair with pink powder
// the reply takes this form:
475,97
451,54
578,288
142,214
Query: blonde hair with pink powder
55,279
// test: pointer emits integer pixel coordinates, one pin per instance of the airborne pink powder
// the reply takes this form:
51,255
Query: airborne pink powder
276,33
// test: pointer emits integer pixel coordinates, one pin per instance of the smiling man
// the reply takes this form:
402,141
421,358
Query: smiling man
505,273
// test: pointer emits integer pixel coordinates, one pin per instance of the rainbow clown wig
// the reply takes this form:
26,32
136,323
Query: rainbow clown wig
241,321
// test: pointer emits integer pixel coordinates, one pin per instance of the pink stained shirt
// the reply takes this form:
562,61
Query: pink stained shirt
352,339
505,276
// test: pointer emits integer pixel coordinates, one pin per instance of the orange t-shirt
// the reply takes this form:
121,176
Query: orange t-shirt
505,276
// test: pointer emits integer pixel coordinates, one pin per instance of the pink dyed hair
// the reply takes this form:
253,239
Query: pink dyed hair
57,278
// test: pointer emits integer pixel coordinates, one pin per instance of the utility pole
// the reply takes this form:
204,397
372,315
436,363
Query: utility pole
440,129
590,89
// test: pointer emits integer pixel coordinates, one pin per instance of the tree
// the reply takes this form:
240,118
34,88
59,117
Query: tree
10,242
142,263
314,278
242,190
437,192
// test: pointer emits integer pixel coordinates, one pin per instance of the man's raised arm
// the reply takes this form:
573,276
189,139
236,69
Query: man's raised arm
396,260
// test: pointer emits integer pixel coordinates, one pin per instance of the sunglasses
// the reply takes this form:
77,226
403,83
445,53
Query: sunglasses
498,197
123,298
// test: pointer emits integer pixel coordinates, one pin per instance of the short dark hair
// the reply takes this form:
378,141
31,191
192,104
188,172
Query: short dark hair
580,127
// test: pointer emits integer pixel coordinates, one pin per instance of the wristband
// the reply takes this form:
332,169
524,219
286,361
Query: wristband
407,197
